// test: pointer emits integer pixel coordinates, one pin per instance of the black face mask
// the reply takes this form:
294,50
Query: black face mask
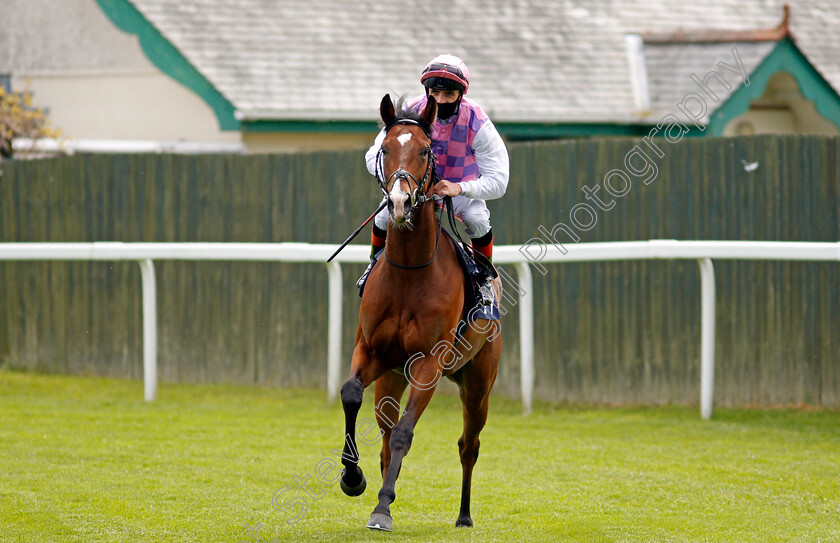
444,111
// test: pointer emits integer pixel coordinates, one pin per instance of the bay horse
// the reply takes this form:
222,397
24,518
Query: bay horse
411,307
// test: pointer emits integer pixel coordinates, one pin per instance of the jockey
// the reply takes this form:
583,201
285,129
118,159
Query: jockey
472,160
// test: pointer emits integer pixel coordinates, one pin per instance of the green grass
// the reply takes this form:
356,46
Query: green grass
85,459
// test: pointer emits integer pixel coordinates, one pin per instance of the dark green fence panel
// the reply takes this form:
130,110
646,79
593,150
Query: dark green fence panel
629,332
218,321
621,332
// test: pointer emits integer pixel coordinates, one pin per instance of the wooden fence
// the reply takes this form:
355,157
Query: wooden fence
608,333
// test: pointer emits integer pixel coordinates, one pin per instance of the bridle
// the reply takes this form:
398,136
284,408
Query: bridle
418,195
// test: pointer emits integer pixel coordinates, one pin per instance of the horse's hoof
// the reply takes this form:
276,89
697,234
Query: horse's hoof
463,522
380,521
355,490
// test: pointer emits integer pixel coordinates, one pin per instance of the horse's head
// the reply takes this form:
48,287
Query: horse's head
408,164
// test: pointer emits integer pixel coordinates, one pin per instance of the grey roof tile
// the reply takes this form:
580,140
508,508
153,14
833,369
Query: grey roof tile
670,67
552,60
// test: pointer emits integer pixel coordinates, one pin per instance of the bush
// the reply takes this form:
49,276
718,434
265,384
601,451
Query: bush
20,119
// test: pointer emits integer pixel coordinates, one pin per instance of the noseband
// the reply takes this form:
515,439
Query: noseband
418,195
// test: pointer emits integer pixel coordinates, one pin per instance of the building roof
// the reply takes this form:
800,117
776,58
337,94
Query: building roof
670,66
530,60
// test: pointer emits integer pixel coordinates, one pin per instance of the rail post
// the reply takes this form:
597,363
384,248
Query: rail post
526,335
336,294
147,277
707,337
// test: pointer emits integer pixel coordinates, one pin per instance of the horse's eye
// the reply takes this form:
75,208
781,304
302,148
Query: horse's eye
427,151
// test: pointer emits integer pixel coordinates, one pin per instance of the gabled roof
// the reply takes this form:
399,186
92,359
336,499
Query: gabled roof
740,64
672,59
785,57
531,60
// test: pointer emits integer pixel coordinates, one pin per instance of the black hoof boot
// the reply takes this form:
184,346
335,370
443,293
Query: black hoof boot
356,489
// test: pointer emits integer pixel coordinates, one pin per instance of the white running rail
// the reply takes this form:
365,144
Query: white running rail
524,257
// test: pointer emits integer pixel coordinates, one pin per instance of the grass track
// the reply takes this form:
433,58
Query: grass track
85,459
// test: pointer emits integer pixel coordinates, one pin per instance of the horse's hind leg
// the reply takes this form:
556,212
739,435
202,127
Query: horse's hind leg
475,382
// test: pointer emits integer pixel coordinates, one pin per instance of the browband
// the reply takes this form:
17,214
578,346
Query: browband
410,121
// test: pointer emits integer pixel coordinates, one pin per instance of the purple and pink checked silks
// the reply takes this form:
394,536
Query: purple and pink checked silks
452,140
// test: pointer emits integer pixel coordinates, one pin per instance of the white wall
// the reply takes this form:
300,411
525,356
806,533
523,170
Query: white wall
94,79
139,105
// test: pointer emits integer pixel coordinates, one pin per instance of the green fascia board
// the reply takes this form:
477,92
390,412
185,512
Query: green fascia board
532,131
786,57
512,131
168,59
301,125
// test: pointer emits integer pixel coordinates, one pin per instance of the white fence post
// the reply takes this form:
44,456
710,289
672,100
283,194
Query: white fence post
526,335
707,337
336,294
147,276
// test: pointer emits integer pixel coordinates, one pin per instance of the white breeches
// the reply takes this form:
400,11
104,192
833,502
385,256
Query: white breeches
473,212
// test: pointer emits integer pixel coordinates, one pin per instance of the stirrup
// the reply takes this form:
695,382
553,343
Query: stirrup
364,276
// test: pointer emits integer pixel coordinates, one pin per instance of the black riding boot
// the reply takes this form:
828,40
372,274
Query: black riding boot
483,247
376,245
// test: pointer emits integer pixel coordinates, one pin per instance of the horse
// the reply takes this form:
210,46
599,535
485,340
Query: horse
408,331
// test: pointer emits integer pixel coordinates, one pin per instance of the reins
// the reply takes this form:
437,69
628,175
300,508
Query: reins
417,267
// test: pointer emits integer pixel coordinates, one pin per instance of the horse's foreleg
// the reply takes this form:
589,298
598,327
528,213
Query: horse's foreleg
399,443
353,481
388,392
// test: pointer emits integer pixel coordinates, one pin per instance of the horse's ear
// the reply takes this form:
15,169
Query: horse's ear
430,111
387,111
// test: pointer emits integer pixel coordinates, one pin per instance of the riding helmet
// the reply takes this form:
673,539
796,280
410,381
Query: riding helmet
446,72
